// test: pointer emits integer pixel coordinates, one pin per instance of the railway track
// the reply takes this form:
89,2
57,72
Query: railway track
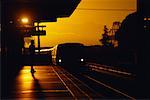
82,86
77,88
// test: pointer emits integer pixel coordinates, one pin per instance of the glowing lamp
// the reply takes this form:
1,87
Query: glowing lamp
59,60
25,20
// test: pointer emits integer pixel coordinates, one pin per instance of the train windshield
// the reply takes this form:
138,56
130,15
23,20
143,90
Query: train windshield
71,51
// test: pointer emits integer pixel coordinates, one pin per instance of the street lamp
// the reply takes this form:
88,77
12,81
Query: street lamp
25,20
25,28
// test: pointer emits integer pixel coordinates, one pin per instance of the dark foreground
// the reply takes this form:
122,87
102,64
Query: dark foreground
56,82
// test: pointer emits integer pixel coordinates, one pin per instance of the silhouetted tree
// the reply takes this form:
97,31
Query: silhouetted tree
106,40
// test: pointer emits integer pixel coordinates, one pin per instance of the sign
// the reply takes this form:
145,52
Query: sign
37,33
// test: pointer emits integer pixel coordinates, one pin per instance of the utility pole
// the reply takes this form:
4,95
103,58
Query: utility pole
39,31
38,37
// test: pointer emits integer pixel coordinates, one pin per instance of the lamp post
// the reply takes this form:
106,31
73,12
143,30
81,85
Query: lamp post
25,26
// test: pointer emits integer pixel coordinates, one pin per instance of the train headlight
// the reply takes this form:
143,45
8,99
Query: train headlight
59,60
82,60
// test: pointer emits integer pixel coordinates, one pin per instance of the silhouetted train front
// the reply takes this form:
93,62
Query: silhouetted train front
68,54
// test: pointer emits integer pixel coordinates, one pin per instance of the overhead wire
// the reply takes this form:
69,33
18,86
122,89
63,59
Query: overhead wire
101,9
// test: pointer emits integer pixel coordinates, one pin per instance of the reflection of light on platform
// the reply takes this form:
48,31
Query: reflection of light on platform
26,71
45,91
25,78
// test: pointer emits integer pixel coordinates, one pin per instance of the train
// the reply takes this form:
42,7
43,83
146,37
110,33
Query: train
68,54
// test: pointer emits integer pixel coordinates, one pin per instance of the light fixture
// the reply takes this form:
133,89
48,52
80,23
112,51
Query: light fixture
25,20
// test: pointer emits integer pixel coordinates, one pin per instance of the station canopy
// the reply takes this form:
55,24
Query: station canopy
47,10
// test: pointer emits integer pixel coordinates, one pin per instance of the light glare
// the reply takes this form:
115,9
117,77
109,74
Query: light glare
25,20
59,60
82,60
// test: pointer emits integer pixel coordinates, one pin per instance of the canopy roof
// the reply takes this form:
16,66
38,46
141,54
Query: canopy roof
39,9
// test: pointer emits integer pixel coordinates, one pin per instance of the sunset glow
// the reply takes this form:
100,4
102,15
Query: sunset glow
86,23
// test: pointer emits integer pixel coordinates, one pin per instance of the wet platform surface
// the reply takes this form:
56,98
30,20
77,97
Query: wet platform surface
49,82
44,83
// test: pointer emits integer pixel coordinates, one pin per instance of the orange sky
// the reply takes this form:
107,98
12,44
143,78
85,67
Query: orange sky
86,26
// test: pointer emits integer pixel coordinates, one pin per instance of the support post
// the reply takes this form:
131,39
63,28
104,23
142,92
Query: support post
38,37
